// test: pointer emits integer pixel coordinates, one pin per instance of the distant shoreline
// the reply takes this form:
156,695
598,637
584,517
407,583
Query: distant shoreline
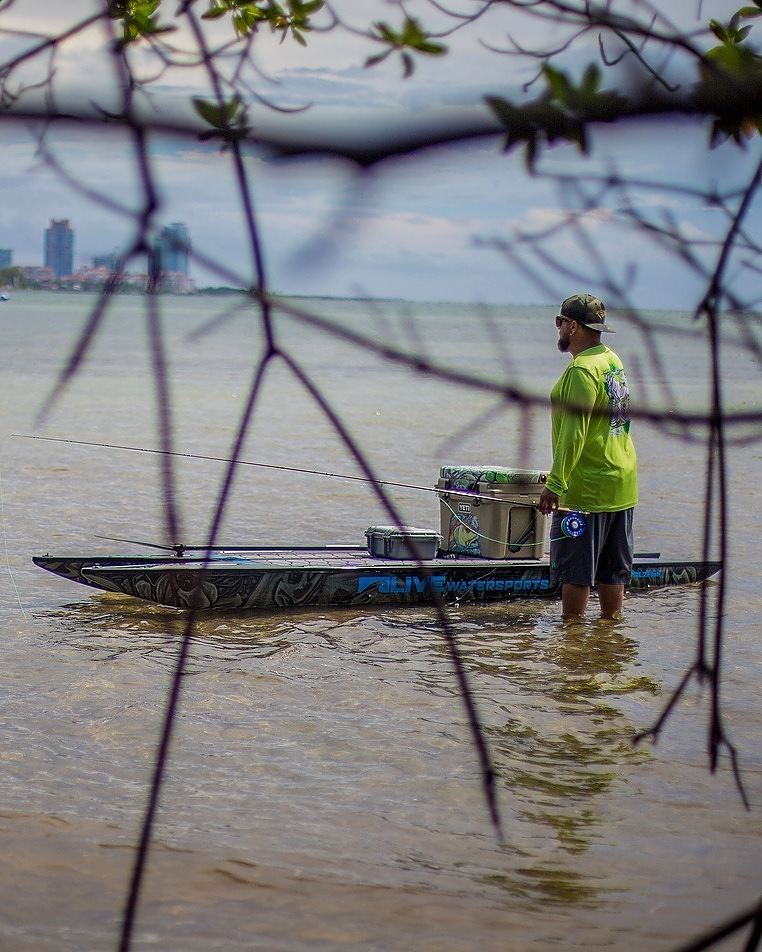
224,291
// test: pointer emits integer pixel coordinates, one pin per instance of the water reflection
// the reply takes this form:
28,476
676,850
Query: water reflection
546,692
562,752
561,743
109,627
544,884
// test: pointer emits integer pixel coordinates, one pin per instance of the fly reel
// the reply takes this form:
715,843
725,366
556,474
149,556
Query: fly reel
573,525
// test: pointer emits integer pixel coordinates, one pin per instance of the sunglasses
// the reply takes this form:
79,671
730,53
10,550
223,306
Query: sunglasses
560,320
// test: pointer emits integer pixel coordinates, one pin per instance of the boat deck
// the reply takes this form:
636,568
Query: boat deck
332,558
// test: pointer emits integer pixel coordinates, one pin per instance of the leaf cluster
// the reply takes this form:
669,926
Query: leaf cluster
411,38
139,19
247,16
734,62
564,111
228,119
561,113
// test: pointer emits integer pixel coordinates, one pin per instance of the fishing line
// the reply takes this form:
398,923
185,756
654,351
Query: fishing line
148,545
283,468
179,549
573,525
520,543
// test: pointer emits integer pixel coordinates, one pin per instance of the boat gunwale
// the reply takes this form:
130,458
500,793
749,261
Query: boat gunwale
373,563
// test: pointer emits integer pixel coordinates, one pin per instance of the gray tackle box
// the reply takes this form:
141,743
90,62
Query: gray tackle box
403,542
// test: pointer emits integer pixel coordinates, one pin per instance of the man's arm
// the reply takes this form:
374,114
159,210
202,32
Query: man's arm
577,401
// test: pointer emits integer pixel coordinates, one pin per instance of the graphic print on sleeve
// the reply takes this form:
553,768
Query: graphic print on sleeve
618,393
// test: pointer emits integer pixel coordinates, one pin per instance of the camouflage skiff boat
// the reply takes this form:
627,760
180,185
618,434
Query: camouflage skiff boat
274,579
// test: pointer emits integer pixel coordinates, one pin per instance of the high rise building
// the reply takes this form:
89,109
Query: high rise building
106,261
59,248
173,248
6,257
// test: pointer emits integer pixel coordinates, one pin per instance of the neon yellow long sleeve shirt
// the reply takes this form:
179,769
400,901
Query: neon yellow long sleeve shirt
594,462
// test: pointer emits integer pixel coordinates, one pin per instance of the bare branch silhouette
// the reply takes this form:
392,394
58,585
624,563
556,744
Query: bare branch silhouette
721,86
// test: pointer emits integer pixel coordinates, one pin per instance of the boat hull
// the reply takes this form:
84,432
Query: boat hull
281,579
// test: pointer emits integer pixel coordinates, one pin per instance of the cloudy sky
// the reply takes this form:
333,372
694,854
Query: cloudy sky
423,227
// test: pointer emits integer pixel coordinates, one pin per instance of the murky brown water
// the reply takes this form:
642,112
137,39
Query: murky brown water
323,792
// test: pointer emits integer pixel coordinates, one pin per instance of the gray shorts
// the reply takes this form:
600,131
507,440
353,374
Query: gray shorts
602,553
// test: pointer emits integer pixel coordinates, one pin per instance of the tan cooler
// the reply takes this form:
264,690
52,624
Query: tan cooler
499,521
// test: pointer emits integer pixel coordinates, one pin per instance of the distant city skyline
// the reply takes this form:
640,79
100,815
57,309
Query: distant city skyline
172,247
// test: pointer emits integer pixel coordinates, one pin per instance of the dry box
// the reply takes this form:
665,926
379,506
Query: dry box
403,542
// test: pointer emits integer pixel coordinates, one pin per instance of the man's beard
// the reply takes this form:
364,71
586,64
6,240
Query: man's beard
563,344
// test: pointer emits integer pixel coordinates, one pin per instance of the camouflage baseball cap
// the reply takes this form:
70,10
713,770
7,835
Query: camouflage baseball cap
588,310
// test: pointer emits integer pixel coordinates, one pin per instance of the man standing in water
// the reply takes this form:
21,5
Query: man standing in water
594,469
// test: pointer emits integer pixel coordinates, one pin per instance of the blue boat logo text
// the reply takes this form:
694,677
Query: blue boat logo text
407,584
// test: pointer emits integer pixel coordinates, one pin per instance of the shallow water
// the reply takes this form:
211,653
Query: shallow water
323,792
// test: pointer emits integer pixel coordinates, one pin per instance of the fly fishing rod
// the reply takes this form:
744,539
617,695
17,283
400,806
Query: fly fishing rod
179,549
288,469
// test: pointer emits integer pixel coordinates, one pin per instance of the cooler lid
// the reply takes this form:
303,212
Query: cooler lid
465,477
402,532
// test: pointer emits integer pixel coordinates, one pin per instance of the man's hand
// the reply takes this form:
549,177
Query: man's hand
548,502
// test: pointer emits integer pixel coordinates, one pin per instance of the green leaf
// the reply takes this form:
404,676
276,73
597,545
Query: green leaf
411,38
411,31
738,60
579,136
301,11
386,33
591,80
558,84
431,49
531,154
210,112
214,13
503,110
138,19
231,108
